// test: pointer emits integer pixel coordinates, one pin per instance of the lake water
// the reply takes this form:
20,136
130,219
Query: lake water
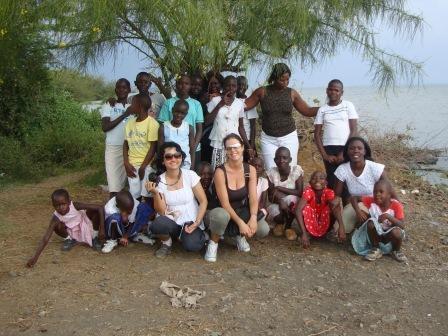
424,110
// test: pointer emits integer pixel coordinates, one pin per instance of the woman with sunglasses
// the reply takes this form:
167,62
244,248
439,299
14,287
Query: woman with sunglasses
177,192
236,188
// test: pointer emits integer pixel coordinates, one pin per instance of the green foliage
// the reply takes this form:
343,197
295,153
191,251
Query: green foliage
83,88
188,36
60,135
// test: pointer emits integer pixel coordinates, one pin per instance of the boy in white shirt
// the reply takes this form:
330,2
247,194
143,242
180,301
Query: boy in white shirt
338,120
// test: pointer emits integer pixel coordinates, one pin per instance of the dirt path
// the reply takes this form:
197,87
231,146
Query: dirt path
276,289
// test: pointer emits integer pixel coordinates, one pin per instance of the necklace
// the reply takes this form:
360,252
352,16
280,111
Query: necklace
177,181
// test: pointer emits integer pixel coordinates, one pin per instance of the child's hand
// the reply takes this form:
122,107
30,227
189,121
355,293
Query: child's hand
227,98
362,216
31,262
151,113
190,228
112,101
341,234
123,241
130,170
141,172
283,205
305,240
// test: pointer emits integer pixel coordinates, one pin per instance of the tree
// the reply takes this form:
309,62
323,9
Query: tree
188,36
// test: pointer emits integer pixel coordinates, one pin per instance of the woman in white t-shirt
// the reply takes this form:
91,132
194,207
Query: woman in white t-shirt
338,121
225,111
177,193
358,173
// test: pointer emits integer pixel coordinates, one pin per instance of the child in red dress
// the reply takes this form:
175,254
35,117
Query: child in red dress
314,209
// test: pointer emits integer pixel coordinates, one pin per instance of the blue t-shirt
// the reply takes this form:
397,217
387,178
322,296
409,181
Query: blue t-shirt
195,114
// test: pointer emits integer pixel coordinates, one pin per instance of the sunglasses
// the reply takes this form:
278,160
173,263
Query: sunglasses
171,156
231,147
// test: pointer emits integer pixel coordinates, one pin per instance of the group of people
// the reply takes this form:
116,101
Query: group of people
195,174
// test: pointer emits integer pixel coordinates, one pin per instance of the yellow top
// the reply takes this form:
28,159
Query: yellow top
139,135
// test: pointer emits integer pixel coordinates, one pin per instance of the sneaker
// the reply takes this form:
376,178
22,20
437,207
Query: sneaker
279,230
242,244
109,246
290,234
68,244
163,251
212,251
141,238
96,244
374,254
399,256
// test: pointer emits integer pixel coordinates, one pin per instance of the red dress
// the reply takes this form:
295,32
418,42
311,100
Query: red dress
316,216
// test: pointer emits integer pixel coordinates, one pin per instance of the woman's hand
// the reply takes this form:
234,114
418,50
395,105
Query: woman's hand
190,228
151,187
252,223
246,231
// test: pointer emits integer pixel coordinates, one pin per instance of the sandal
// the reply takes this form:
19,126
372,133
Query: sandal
374,254
399,256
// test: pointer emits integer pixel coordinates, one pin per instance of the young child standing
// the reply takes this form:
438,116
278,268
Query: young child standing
140,145
249,119
285,188
262,184
125,218
338,119
383,232
179,131
195,115
77,223
225,111
113,119
314,208
143,82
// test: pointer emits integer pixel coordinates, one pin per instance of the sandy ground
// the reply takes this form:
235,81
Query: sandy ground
276,289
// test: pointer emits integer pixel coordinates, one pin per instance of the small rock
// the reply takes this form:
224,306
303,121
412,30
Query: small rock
403,192
389,318
12,274
307,262
373,327
361,325
319,289
444,241
415,191
43,313
258,286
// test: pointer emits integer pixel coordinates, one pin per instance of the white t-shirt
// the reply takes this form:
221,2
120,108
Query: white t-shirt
181,204
226,121
250,114
116,135
111,208
361,185
290,182
334,119
157,100
262,186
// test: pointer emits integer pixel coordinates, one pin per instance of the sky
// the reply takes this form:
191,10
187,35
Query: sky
430,47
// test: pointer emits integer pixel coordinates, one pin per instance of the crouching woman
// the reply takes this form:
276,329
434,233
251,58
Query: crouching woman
236,188
179,200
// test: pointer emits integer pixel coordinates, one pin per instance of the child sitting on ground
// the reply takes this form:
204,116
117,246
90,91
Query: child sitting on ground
139,145
285,187
383,232
77,223
125,219
179,131
262,184
205,172
313,210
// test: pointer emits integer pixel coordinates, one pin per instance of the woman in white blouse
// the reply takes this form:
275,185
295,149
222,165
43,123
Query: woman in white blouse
175,193
358,173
